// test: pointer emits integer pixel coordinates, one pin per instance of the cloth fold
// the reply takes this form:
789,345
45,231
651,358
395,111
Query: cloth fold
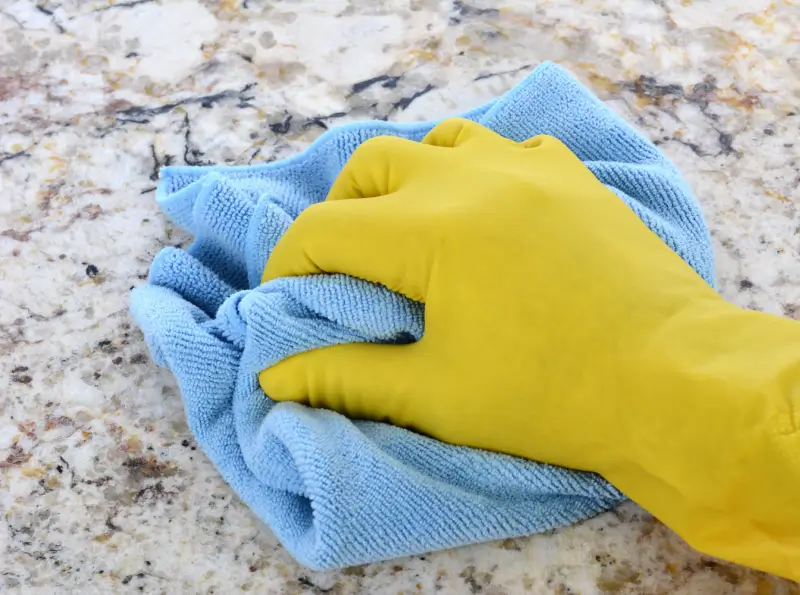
338,492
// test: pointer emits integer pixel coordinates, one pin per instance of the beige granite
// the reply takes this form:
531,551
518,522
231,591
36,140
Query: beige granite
101,487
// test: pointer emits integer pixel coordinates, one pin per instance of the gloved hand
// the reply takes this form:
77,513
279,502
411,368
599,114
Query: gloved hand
559,328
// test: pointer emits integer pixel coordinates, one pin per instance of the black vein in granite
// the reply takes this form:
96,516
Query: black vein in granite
461,10
129,4
725,140
283,126
291,122
701,94
695,148
9,156
387,82
305,582
244,97
158,164
58,312
11,17
50,13
142,114
404,102
60,468
489,75
662,4
321,120
191,155
649,86
255,154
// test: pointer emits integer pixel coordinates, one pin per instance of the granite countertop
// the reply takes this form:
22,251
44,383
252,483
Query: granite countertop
102,489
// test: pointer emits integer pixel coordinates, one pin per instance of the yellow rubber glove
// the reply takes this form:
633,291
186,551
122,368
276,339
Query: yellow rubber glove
559,328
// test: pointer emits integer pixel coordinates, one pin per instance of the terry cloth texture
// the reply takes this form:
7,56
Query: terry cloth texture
338,492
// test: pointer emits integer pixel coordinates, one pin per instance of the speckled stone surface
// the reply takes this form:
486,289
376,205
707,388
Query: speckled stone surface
102,489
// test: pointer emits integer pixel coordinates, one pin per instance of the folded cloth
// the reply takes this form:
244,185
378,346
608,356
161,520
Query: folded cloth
339,492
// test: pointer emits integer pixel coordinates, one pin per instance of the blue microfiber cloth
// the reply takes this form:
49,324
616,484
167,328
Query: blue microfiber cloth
338,492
